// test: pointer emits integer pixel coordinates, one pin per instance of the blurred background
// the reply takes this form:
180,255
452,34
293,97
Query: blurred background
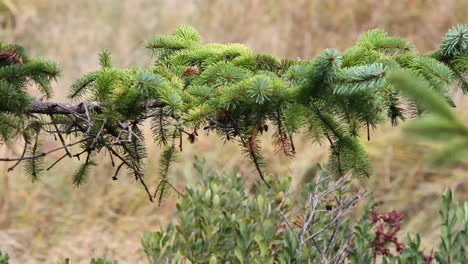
50,220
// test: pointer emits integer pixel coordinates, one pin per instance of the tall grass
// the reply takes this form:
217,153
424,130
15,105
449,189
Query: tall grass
47,221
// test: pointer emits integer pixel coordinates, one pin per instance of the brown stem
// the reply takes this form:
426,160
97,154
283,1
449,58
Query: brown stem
54,108
43,153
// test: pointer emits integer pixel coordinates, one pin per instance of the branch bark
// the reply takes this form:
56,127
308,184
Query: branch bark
54,108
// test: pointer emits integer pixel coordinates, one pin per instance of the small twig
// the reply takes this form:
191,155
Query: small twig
70,112
137,173
146,188
90,122
170,185
57,161
22,156
368,131
112,158
117,171
293,147
219,124
60,136
254,158
43,153
95,139
289,225
217,85
180,142
51,108
61,131
337,152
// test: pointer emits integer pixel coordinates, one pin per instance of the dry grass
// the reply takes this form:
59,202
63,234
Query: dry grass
45,222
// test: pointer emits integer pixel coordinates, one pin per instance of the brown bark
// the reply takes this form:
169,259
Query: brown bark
54,108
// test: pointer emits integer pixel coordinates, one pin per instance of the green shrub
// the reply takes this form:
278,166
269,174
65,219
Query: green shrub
4,258
220,222
93,261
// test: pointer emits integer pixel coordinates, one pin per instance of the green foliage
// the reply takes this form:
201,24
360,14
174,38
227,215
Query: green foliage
10,127
454,231
102,261
17,72
455,41
360,78
441,125
12,98
220,222
105,59
81,174
168,157
92,261
34,167
4,259
378,40
453,52
227,88
80,85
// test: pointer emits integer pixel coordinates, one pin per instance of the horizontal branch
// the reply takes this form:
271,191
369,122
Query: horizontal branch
53,108
42,154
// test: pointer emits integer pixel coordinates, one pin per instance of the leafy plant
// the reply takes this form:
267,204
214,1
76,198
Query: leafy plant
219,222
102,261
92,261
454,231
4,258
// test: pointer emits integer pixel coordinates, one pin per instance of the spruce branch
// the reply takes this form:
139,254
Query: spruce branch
34,162
81,174
55,108
228,89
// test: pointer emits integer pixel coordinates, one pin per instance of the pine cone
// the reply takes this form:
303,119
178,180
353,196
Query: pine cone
10,57
191,70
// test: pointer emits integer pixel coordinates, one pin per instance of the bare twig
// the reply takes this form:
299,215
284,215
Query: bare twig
22,156
117,171
60,136
44,153
57,161
329,221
